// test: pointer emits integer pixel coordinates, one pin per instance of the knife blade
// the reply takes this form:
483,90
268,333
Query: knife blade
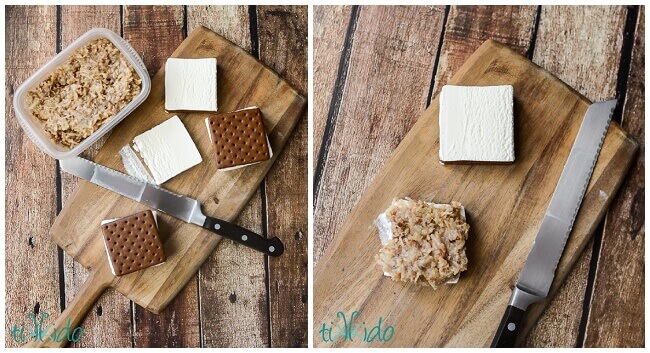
182,207
538,272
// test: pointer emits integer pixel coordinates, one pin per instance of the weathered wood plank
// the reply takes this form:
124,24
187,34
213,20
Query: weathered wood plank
224,295
585,56
177,326
387,86
560,323
330,26
616,317
233,289
109,323
32,278
282,36
469,26
232,22
155,32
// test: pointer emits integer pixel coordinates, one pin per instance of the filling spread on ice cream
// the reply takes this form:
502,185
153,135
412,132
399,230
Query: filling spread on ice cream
167,149
191,84
476,124
385,230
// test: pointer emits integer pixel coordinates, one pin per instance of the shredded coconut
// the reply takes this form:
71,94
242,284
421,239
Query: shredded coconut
427,246
92,87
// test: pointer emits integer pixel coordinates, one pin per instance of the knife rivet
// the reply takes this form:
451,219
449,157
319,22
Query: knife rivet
217,226
271,248
244,238
512,326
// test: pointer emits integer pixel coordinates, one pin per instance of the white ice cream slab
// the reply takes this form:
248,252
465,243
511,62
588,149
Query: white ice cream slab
167,149
476,124
191,84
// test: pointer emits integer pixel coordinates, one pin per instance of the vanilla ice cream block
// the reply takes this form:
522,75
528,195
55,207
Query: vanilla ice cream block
191,84
167,149
476,124
385,226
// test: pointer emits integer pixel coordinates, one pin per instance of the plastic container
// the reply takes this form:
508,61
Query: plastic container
34,127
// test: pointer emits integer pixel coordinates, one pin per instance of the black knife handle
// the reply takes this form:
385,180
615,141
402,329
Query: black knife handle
508,328
271,247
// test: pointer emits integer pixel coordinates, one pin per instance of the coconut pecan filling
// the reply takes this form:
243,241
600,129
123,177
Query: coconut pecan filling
93,86
423,242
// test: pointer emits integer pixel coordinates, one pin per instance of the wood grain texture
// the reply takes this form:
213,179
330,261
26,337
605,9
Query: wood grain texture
282,36
616,316
397,56
109,322
232,284
590,67
330,26
76,310
31,259
559,325
465,314
154,32
591,64
224,296
468,27
232,22
223,195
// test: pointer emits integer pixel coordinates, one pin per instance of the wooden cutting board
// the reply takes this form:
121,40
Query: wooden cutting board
505,206
243,81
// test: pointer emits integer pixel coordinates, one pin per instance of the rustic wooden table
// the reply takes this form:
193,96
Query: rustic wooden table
237,298
597,50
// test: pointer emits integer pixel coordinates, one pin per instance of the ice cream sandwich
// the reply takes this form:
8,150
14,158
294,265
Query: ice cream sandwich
133,243
238,138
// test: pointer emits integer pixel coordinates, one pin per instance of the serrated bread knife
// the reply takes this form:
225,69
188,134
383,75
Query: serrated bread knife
179,206
539,270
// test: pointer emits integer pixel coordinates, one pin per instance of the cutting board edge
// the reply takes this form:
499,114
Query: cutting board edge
202,29
557,285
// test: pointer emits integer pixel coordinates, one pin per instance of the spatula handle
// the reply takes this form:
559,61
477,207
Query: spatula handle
272,246
75,312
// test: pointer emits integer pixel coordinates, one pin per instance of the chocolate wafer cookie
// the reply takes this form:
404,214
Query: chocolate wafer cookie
238,138
133,243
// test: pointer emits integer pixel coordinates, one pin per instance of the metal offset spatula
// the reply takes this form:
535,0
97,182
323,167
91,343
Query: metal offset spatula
539,270
179,206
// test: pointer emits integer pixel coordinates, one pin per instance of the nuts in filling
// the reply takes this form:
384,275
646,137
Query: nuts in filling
91,88
427,246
